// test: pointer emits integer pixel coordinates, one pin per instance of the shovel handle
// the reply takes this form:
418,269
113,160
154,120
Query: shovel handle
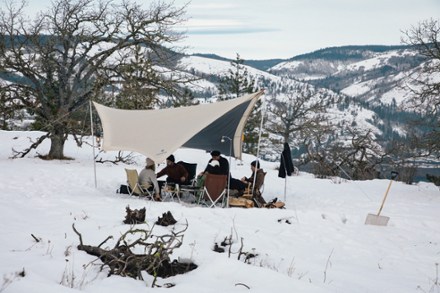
384,198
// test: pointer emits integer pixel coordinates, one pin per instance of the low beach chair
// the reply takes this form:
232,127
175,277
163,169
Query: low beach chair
134,187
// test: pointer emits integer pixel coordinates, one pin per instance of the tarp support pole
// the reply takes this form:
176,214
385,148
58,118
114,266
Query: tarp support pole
229,173
93,143
258,145
285,179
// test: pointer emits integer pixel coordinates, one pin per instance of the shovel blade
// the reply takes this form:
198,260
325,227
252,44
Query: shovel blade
376,220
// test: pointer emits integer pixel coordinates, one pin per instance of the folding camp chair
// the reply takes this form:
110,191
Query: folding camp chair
134,187
189,190
215,189
194,192
191,169
170,191
257,193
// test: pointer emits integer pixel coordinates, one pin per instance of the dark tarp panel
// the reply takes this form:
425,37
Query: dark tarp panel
210,137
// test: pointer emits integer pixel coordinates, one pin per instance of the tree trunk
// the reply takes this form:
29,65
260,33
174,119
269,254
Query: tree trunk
57,139
286,135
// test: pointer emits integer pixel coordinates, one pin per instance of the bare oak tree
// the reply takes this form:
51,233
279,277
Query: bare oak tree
296,116
425,85
76,50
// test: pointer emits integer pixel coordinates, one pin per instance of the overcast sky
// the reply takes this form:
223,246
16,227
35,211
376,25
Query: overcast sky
269,29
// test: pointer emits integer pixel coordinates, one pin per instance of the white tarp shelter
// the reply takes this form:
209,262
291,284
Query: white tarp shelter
158,133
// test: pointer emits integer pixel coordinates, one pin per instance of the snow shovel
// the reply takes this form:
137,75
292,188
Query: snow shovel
379,220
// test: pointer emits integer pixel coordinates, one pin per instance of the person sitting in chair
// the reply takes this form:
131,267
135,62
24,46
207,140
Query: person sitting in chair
259,175
176,173
147,178
218,164
213,167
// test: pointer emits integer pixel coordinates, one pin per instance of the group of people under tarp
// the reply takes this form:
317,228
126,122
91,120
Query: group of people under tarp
219,165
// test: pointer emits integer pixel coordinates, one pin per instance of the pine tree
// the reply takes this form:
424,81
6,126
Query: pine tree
238,82
186,99
136,86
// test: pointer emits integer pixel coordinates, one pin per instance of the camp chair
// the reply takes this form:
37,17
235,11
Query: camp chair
257,193
191,169
215,189
196,189
134,187
189,187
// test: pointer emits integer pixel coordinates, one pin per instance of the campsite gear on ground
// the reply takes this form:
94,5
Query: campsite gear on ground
123,189
240,202
379,220
245,202
274,204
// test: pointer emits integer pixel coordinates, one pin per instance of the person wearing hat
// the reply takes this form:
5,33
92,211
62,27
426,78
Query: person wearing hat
259,175
147,178
213,167
223,169
217,164
176,173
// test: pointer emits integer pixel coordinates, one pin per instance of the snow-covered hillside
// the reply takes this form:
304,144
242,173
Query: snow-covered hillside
220,68
374,76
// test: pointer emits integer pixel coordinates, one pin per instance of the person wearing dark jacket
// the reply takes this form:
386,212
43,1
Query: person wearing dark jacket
223,164
286,164
223,169
176,173
259,175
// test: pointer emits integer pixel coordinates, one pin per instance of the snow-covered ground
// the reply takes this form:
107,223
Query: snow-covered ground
319,243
